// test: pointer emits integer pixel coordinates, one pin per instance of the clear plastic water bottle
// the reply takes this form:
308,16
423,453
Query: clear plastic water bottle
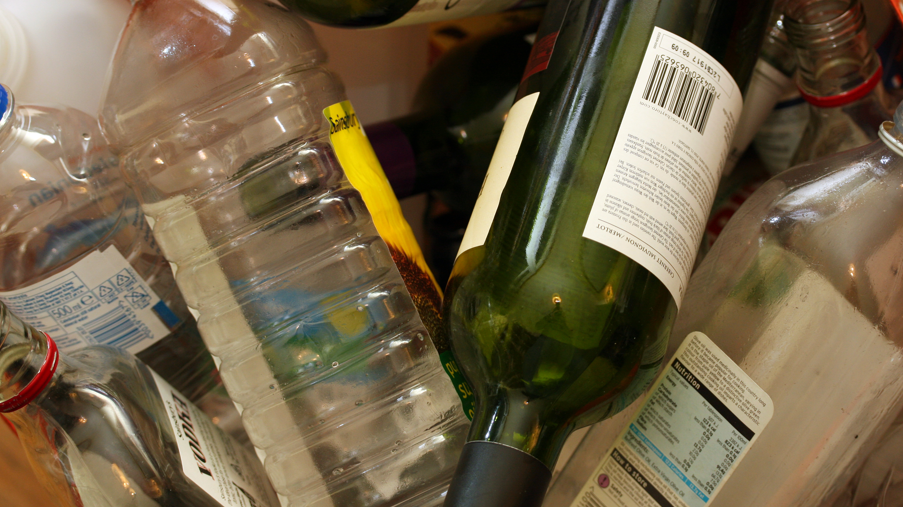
290,245
78,259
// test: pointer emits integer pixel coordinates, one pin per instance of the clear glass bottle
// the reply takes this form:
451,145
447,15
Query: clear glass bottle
78,259
102,430
839,76
801,293
290,245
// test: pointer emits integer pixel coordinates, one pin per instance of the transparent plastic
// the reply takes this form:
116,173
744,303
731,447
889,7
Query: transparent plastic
879,482
62,198
97,433
802,290
835,61
217,108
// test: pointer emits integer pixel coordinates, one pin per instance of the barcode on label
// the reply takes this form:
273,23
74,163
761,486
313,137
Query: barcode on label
116,328
676,90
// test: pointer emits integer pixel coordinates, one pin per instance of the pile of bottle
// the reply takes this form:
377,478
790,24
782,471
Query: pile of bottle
210,295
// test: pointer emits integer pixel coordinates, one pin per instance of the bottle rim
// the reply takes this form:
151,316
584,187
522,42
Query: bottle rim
844,98
38,383
808,27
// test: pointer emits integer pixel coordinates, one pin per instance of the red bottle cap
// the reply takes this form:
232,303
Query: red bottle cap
38,383
846,97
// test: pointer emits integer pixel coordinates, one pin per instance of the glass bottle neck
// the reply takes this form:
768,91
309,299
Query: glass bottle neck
836,63
508,418
28,361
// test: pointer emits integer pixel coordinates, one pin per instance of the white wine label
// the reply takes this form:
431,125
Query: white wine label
213,460
497,174
428,11
98,300
660,181
699,420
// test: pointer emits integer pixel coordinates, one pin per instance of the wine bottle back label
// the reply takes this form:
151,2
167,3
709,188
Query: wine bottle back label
701,417
99,299
497,174
214,461
660,181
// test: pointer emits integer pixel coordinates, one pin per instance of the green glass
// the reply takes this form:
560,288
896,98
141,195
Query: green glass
373,13
553,330
461,105
351,12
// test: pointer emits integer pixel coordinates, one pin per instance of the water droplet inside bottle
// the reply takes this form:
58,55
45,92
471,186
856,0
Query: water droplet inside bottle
359,402
394,451
272,386
398,442
86,136
322,421
338,471
556,299
335,364
360,308
420,336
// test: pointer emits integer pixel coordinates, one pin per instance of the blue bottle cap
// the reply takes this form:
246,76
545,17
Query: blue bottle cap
5,103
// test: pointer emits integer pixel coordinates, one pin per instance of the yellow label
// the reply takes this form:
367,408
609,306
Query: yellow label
362,168
366,175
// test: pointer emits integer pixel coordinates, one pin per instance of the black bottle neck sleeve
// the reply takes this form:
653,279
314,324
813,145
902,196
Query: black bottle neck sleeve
496,475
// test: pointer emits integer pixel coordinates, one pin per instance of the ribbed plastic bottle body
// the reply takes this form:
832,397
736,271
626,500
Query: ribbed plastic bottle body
296,291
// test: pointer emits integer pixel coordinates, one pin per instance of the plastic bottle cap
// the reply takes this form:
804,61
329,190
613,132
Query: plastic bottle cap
38,383
13,50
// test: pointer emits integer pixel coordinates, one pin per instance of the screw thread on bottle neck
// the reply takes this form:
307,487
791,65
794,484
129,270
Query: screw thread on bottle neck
832,49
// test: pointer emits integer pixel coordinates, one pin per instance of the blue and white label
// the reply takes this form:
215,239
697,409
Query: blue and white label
701,417
98,300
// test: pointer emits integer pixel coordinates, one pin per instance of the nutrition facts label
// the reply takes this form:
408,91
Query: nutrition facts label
98,300
698,422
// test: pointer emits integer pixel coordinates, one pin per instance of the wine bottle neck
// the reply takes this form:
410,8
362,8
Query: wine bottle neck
511,419
28,361
414,152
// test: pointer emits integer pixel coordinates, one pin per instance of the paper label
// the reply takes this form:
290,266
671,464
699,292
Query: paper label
211,459
497,173
700,419
98,300
428,11
660,181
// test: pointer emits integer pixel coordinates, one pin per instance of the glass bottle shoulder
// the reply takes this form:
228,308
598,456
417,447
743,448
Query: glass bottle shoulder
815,231
109,433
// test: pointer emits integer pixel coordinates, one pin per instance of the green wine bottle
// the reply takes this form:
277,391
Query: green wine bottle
370,13
461,105
578,251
